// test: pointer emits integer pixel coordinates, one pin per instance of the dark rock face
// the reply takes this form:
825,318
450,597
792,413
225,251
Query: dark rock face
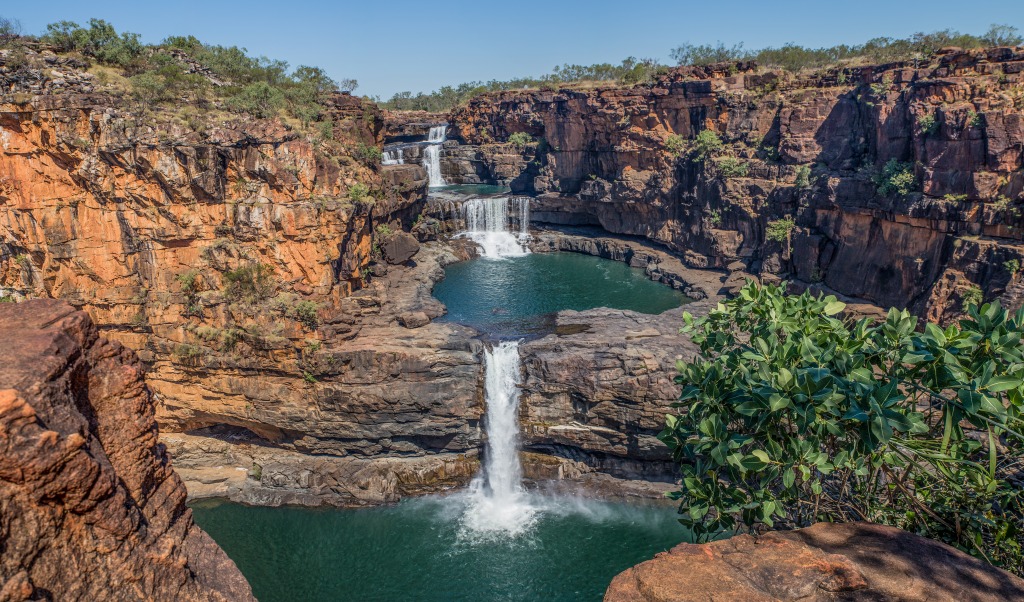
811,147
825,562
399,247
89,506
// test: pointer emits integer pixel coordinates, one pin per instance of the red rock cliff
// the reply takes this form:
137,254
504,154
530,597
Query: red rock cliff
89,506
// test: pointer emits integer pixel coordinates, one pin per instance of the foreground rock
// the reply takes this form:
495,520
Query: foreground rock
89,506
825,562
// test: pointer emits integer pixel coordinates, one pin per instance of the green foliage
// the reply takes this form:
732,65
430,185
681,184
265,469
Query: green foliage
793,57
896,178
706,144
792,415
259,99
369,154
803,177
972,296
975,120
189,282
189,355
955,198
249,283
927,124
306,312
778,230
675,144
731,167
100,40
1012,266
714,217
383,230
358,192
520,139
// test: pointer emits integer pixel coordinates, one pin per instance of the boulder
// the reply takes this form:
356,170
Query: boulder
399,248
824,562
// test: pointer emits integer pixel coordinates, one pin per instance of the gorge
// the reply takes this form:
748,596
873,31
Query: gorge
454,336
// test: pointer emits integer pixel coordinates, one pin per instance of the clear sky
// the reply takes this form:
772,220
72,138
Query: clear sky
421,45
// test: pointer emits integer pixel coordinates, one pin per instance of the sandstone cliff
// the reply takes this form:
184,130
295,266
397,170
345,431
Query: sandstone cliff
808,149
89,506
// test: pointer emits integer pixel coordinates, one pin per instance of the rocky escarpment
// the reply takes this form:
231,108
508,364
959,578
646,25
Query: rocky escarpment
825,562
89,506
797,189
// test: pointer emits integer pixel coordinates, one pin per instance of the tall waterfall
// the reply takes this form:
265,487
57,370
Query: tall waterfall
432,155
490,224
498,504
393,157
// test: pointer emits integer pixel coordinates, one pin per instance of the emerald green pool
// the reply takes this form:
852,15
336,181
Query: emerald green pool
419,551
518,295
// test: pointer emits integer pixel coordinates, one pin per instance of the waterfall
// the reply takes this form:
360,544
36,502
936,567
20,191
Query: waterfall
498,504
393,157
489,224
432,155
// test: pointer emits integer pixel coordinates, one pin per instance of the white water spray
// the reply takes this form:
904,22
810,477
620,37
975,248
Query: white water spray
432,155
498,504
491,225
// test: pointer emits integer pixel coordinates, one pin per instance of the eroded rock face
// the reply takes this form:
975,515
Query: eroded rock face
89,506
811,148
825,562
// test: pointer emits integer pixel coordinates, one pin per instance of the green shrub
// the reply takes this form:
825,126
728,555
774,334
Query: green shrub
973,296
358,192
520,139
803,177
368,154
706,144
675,144
100,40
778,230
896,178
790,415
384,230
250,283
731,167
260,99
927,124
955,198
975,120
189,282
1012,266
306,312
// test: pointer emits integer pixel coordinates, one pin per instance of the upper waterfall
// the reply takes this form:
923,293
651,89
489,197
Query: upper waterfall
499,231
393,157
432,155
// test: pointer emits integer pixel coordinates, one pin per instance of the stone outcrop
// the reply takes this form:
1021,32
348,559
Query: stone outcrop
808,149
89,506
825,562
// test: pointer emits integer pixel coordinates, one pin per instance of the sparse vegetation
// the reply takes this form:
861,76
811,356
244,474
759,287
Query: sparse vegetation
955,198
706,144
249,283
731,167
896,178
520,139
803,177
972,296
306,312
358,192
779,230
675,144
1012,266
927,124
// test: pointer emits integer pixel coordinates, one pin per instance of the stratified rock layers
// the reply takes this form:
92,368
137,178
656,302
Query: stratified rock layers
822,563
89,506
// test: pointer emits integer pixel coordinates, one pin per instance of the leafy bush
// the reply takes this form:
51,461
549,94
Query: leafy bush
250,283
803,177
520,139
896,178
1012,266
955,198
306,313
675,144
793,416
358,192
778,230
972,296
369,154
731,167
100,41
927,124
706,144
260,99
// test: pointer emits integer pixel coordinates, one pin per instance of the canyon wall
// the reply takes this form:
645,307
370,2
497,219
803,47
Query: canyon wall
89,506
794,190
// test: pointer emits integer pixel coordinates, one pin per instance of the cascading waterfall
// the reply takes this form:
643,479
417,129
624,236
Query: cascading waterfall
489,224
393,157
498,504
432,155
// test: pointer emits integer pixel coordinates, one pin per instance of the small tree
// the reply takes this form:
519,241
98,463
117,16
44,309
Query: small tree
706,144
793,415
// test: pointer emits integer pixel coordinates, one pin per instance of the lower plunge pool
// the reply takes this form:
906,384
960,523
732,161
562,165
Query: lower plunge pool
421,550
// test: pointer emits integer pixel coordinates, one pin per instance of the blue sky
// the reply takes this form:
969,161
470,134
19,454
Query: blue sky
421,45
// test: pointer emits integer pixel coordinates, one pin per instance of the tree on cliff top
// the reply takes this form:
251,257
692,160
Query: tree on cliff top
794,416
